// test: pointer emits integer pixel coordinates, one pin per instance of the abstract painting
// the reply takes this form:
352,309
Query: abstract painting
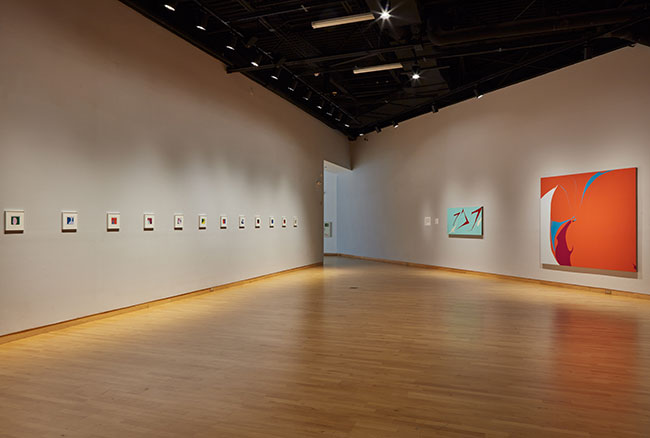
179,221
69,221
465,221
203,222
113,221
258,222
271,222
149,222
589,220
223,222
14,221
242,221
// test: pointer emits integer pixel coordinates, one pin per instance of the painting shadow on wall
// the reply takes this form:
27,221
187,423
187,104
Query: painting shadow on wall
461,236
575,269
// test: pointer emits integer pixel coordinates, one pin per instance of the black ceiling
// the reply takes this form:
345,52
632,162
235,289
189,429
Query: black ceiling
461,48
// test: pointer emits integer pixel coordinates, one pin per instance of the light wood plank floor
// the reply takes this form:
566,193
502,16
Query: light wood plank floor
353,349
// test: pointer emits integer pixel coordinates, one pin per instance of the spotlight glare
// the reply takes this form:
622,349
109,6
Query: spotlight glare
415,76
170,7
200,27
385,15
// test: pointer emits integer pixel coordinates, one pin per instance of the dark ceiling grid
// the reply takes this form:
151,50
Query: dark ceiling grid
461,48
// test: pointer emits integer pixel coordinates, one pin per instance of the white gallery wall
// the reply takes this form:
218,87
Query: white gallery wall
329,207
101,110
492,152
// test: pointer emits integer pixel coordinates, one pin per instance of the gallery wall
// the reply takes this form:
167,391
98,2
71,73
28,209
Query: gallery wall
101,110
492,152
329,206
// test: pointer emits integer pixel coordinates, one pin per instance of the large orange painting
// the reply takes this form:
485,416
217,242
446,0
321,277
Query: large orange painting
589,220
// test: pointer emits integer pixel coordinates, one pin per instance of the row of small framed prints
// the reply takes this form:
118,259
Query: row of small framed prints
15,221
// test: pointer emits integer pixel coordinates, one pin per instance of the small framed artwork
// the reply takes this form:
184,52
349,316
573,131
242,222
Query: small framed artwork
258,222
203,222
271,222
14,221
69,221
223,222
113,221
242,221
179,221
149,222
284,222
295,221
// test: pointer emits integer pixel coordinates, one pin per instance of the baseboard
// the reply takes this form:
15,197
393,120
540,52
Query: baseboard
503,277
109,313
333,254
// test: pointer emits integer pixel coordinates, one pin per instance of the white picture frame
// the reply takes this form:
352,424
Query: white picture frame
295,221
179,222
149,221
14,221
271,222
203,222
112,221
242,221
69,221
284,222
223,221
258,222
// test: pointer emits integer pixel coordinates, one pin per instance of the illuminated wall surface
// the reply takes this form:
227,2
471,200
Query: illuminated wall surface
589,220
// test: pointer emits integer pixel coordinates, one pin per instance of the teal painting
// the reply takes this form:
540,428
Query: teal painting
465,221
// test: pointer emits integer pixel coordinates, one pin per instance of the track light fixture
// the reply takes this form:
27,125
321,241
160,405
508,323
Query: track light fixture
378,129
321,104
232,44
257,61
339,116
395,125
476,93
276,74
308,95
385,12
293,85
171,5
330,110
203,25
434,108
416,73
346,124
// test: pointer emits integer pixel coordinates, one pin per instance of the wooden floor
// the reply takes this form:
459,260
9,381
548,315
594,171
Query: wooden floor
353,349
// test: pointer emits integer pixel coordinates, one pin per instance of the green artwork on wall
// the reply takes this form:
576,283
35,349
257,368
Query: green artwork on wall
465,221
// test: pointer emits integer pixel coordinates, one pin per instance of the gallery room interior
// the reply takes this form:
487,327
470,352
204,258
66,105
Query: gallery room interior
346,218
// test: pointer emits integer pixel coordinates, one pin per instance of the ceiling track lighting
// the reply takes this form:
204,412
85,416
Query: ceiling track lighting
257,61
232,44
276,74
203,25
339,116
348,19
330,110
476,93
378,129
395,125
308,95
374,68
385,12
346,124
321,104
434,108
171,5
416,73
293,85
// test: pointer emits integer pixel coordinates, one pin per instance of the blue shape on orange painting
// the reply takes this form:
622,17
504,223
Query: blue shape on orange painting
562,253
591,180
555,226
